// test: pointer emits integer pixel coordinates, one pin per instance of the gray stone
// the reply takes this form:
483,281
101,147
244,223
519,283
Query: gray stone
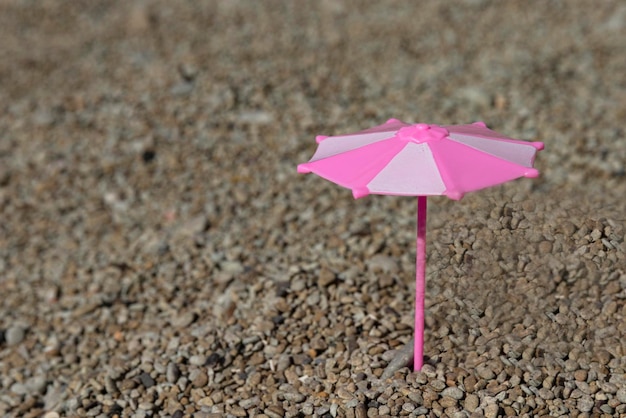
173,372
621,395
453,392
14,335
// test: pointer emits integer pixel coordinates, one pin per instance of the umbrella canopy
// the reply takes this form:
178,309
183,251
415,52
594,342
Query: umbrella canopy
398,158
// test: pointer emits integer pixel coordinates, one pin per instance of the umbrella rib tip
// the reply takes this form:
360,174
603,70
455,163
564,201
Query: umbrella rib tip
303,168
454,194
531,173
359,192
538,145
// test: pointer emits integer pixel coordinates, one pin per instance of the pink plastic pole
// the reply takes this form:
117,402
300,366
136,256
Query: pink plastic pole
420,284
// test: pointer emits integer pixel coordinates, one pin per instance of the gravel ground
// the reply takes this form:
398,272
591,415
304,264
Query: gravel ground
159,255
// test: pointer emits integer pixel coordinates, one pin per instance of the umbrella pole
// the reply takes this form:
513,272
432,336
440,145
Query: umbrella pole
420,284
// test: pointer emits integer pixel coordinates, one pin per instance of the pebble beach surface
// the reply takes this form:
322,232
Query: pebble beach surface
160,257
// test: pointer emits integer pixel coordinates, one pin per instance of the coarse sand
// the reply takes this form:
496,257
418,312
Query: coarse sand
160,256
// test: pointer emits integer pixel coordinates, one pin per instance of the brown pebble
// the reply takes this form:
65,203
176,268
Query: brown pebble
485,372
127,385
360,411
345,394
470,383
509,412
580,375
238,411
447,402
492,410
199,378
274,411
256,359
326,277
471,402
545,247
603,356
545,393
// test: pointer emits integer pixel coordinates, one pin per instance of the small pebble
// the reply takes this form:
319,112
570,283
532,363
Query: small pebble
383,263
408,407
284,361
491,411
250,402
172,373
199,378
471,402
238,411
603,356
621,395
485,372
293,397
360,411
326,277
184,320
607,409
19,389
146,380
36,385
14,335
197,360
447,402
453,392
580,375
274,411
585,404
146,406
110,385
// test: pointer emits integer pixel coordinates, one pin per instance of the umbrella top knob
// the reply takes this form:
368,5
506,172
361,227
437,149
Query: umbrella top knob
422,132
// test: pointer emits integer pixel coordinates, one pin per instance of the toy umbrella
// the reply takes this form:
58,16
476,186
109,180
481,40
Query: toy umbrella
398,158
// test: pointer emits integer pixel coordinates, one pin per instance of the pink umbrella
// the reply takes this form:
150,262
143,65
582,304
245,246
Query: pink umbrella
398,158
